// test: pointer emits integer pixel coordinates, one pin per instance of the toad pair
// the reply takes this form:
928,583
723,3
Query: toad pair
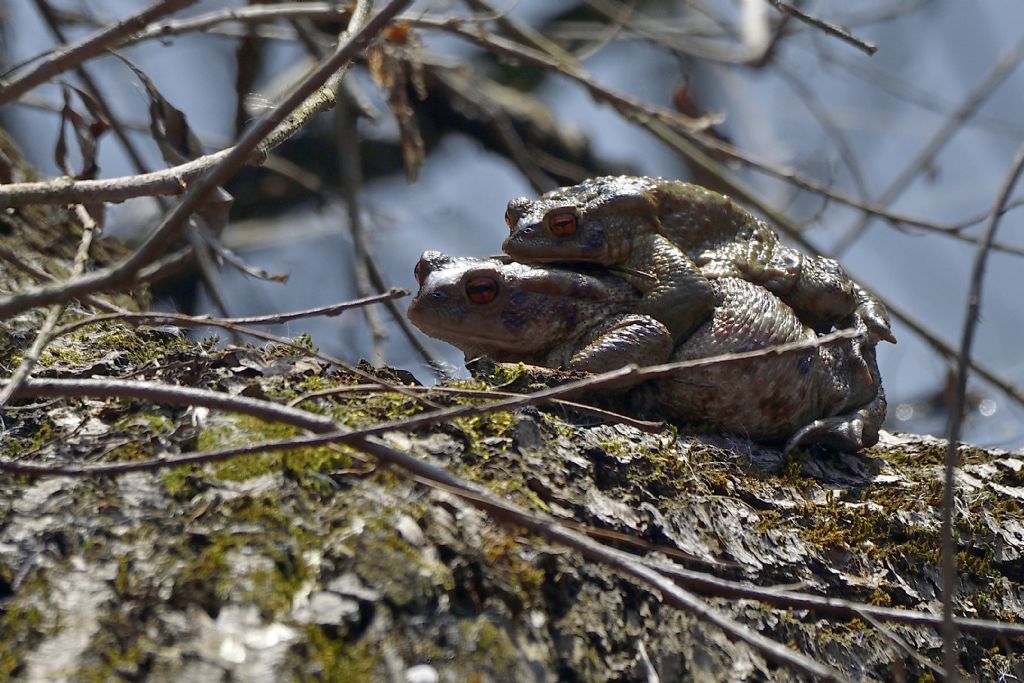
652,270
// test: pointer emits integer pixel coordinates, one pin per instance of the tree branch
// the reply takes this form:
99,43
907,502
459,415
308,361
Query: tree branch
91,46
950,658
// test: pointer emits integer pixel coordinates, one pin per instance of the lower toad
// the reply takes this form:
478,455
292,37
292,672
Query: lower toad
588,320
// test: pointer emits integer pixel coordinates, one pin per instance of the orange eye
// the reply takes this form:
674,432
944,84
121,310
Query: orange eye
418,271
482,290
562,224
508,218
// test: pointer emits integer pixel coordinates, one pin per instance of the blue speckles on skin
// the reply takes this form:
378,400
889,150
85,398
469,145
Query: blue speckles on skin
593,238
570,314
513,320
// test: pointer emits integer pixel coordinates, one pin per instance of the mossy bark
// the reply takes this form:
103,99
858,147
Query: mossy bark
313,564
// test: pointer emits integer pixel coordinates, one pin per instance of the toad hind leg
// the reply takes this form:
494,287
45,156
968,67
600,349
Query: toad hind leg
846,432
636,339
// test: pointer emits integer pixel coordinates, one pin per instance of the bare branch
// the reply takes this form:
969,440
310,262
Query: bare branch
91,46
270,319
238,328
828,27
249,15
1006,65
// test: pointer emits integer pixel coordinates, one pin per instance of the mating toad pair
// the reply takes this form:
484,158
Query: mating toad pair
648,270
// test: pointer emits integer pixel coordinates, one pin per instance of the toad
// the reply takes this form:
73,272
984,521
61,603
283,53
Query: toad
659,233
587,320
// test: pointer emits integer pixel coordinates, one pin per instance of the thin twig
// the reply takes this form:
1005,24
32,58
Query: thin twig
49,16
90,46
828,27
671,129
45,333
818,110
208,273
398,315
208,23
269,319
252,14
1002,69
642,425
950,657
706,584
549,528
901,645
350,181
231,324
214,243
41,276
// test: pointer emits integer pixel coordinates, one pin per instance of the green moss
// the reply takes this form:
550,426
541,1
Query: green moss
476,428
330,659
123,343
314,383
492,648
558,426
183,483
394,567
118,656
502,374
273,590
127,452
28,617
43,434
511,569
307,465
373,408
305,340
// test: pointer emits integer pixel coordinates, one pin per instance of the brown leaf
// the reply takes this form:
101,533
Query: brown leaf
393,70
178,144
87,129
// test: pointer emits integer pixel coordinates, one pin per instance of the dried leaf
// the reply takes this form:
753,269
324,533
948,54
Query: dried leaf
178,144
88,131
393,70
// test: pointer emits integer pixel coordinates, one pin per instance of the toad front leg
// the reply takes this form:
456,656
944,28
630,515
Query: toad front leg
675,293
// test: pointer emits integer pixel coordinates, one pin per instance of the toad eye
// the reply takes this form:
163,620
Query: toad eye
418,272
482,290
508,218
562,224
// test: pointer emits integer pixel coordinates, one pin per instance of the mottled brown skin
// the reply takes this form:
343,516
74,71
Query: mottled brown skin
555,317
674,230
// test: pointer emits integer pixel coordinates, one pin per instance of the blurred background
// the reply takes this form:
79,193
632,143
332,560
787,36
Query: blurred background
465,105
